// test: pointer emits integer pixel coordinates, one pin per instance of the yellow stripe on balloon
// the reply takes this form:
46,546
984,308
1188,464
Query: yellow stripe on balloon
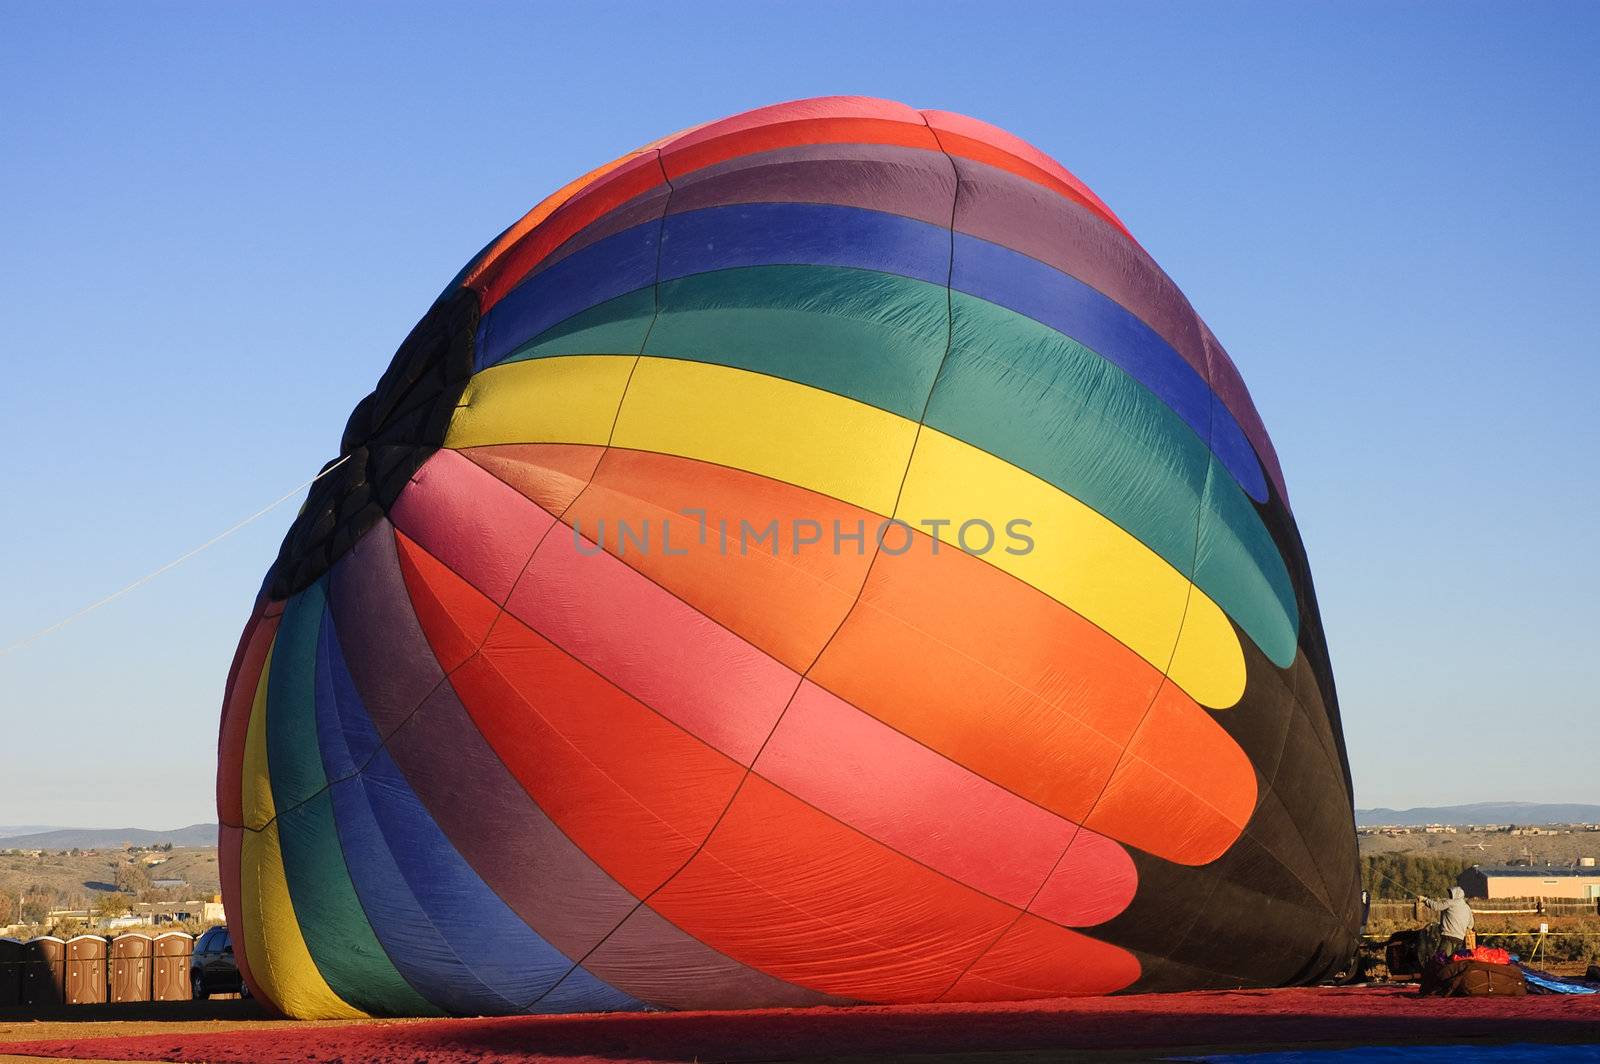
254,783
1079,558
770,426
572,399
279,959
857,453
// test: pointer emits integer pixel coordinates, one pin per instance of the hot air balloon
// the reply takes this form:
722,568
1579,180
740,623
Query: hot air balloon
818,557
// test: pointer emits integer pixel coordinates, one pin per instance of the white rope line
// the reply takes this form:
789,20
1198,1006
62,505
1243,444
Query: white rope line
179,560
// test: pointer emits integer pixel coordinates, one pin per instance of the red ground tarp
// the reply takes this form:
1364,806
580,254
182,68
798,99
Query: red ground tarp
1231,1019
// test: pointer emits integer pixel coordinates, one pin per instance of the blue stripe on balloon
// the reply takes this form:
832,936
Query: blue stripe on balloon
1039,291
451,936
622,263
803,234
767,234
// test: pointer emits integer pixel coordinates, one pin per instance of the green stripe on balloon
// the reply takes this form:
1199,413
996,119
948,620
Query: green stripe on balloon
1011,386
340,939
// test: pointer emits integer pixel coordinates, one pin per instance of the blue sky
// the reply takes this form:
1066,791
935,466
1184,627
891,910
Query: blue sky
220,219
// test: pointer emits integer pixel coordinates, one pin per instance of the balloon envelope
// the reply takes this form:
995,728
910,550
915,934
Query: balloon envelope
816,558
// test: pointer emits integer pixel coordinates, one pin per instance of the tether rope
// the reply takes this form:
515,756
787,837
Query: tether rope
174,563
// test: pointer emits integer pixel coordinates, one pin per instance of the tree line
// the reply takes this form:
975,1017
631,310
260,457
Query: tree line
1405,875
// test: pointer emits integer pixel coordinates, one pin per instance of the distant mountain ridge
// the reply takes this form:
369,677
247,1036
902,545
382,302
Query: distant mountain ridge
1475,813
1482,813
97,838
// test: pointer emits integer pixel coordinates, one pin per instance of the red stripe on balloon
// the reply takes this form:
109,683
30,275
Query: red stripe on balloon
1032,960
797,894
696,674
943,647
237,706
828,120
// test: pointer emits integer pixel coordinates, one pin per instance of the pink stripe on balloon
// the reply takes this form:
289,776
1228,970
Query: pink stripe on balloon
853,767
1094,881
471,520
729,694
654,646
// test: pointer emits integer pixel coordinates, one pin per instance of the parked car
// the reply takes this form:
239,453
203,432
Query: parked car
212,969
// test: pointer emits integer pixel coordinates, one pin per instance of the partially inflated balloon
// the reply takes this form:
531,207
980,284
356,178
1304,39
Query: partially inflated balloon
818,557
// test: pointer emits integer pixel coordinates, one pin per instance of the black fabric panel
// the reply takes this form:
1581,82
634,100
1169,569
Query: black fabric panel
1282,905
1313,640
389,435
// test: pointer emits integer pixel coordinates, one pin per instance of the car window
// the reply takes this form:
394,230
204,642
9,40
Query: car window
204,945
223,941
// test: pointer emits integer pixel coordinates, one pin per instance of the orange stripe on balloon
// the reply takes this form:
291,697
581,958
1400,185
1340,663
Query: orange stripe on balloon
551,474
785,603
1006,681
574,205
812,109
683,160
725,693
986,670
1182,780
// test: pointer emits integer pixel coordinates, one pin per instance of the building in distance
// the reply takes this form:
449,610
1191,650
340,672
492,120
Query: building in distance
1519,881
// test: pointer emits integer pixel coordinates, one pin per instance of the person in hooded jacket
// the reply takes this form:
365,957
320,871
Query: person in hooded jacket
1455,920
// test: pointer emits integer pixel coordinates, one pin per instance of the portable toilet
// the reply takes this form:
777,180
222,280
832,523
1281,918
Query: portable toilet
170,978
131,957
86,970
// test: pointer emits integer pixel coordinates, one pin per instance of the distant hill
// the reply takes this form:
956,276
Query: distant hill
98,838
1482,813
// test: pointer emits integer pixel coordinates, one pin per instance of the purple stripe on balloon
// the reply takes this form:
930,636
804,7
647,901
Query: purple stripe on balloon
631,957
881,177
388,655
506,838
479,805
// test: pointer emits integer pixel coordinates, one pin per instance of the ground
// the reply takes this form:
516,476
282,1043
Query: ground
1135,1027
1150,1027
76,881
1560,846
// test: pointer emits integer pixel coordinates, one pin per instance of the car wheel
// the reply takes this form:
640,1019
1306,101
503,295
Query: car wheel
198,986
